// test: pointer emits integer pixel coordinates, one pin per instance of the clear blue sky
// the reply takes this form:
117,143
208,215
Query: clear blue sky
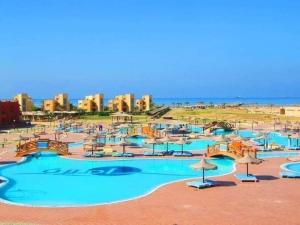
170,48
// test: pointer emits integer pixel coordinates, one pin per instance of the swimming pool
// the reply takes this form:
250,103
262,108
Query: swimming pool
196,144
294,167
266,155
54,181
278,138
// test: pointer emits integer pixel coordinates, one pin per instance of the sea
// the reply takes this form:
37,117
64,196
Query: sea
282,101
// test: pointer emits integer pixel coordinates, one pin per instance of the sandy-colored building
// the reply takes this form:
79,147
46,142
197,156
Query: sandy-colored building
25,102
93,103
59,103
290,111
144,104
122,103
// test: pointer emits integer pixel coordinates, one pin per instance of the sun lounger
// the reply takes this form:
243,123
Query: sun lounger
201,184
294,148
127,154
98,154
88,154
182,154
289,174
246,178
118,154
168,152
265,149
153,154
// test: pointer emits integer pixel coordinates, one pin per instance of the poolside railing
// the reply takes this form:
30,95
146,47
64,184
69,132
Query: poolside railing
30,147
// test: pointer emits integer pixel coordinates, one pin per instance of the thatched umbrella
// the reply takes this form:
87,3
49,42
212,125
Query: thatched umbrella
183,130
247,159
90,143
22,138
166,140
93,137
123,143
182,142
264,137
152,142
204,165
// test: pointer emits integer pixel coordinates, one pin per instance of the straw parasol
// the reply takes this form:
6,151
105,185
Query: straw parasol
204,165
90,143
248,159
182,142
152,142
22,138
183,130
166,140
123,143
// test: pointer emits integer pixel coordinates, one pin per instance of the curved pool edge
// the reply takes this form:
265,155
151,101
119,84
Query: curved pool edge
106,203
284,166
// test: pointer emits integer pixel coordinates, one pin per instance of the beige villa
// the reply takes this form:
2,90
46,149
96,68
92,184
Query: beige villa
122,103
144,104
92,103
59,103
25,102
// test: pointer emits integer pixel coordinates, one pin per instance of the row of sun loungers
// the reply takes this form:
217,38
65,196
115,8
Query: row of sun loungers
101,154
173,153
241,177
246,178
289,174
201,184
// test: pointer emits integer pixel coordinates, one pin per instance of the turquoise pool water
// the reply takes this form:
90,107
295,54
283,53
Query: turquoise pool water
197,144
292,167
265,155
50,180
200,144
281,140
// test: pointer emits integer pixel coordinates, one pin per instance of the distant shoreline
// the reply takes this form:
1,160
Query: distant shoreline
280,101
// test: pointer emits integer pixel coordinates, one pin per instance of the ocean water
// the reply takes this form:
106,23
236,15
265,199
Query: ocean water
193,101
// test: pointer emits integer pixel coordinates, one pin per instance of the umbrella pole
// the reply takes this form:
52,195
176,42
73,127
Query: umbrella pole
123,149
167,146
247,169
203,179
153,149
181,149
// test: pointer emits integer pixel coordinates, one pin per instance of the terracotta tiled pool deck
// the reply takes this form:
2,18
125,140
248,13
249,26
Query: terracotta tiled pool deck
271,201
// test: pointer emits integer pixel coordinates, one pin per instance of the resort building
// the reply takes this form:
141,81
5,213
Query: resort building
25,102
59,103
290,111
91,103
144,104
122,103
10,112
